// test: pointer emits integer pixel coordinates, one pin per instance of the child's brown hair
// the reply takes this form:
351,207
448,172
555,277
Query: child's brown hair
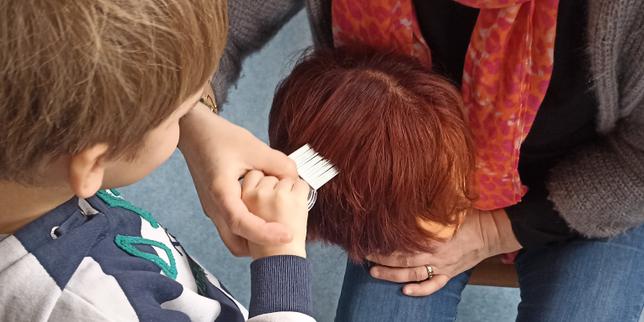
77,73
397,133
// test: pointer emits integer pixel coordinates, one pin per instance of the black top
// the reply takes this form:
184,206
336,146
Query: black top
566,118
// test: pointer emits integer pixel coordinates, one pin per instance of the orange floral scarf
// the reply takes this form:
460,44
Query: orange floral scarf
507,71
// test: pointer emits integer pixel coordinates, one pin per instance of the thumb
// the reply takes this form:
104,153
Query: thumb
242,222
249,226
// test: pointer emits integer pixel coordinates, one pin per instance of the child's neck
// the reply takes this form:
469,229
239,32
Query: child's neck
20,205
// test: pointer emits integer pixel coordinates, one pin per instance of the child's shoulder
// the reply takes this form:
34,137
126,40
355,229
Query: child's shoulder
41,259
98,255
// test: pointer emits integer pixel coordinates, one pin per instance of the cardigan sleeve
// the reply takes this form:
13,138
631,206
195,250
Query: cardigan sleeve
599,190
252,25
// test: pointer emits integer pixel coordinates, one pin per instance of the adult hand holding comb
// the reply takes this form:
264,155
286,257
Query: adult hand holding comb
218,153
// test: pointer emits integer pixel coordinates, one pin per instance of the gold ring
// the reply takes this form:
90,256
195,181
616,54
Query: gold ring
430,271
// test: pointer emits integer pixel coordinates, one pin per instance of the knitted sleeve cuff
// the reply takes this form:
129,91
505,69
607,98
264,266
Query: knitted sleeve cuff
280,283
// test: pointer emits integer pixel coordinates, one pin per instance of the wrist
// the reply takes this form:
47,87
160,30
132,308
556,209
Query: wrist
506,240
194,127
498,234
261,251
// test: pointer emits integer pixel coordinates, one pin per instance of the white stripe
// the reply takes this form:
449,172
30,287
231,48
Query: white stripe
11,250
91,292
198,308
284,316
184,274
28,292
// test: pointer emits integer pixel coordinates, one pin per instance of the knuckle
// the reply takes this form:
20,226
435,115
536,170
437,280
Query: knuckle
388,275
282,192
255,172
417,275
282,197
250,199
288,181
247,193
289,164
412,275
302,188
404,260
400,276
264,195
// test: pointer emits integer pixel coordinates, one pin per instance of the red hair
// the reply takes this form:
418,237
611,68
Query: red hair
398,134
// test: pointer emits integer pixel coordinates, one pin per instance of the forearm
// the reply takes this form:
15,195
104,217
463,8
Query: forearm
201,127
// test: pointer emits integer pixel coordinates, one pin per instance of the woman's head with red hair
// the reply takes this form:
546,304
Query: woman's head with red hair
398,135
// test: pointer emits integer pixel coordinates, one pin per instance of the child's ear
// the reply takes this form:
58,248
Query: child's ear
86,170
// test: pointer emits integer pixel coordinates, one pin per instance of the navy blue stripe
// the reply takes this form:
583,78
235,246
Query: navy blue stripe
280,283
60,257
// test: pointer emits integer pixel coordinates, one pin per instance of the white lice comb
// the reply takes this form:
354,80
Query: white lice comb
313,169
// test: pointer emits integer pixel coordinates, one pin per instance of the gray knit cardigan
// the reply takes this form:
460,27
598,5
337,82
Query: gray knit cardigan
599,187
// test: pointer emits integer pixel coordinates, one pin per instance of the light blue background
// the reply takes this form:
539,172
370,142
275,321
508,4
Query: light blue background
169,194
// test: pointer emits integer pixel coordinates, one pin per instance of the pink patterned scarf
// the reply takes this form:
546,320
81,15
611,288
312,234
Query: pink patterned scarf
507,71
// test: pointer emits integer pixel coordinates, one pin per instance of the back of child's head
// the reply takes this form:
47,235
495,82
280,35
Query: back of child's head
398,135
78,73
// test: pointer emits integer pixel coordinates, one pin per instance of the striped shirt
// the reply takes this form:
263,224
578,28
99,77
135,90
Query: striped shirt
104,259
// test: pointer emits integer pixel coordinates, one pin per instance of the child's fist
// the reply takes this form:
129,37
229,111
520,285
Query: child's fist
276,200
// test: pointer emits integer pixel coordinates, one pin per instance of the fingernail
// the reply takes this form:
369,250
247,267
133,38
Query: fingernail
408,291
375,273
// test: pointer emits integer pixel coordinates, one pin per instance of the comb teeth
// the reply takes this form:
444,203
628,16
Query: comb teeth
311,167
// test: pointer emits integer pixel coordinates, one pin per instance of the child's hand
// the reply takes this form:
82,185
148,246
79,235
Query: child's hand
282,201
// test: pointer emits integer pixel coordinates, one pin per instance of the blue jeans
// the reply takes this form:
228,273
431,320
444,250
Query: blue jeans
598,280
